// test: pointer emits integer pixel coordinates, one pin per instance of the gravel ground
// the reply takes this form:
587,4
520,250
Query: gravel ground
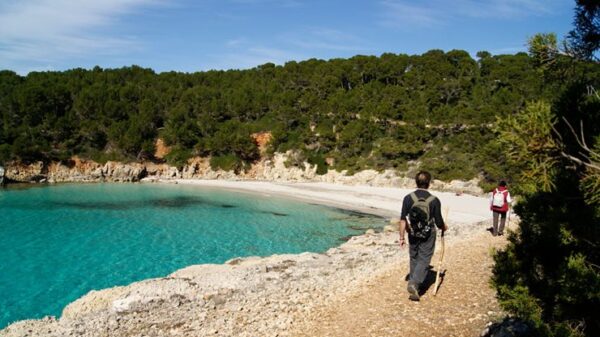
463,306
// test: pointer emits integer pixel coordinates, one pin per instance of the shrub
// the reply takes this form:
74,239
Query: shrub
178,157
227,162
317,159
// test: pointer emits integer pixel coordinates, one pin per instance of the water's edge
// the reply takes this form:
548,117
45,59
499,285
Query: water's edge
208,288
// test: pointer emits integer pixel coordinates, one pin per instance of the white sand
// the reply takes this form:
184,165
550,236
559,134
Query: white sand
383,201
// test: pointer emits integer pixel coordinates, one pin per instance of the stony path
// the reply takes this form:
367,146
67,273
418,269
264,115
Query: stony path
465,302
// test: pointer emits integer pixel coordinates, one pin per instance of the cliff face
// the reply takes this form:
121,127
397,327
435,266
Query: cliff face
267,169
75,170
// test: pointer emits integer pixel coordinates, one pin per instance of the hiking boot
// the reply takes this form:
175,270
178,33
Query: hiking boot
413,292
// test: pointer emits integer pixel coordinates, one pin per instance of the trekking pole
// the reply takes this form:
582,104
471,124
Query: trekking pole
439,271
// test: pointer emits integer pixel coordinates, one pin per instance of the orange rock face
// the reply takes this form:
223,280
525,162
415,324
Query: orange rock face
161,149
262,139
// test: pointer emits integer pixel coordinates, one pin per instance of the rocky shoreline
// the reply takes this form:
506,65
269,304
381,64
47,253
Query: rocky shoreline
252,296
272,169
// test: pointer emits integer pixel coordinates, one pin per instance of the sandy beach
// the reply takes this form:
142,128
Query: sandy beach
260,296
383,201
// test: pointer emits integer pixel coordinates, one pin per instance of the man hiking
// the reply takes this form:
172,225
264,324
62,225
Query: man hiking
500,201
421,214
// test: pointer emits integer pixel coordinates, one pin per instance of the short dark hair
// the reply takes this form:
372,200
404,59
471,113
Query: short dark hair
422,179
502,183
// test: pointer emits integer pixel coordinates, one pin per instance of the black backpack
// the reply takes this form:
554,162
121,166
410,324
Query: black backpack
419,219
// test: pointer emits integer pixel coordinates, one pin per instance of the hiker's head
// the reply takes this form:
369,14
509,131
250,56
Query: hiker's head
502,183
422,179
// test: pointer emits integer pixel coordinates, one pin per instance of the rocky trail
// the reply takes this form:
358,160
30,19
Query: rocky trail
464,305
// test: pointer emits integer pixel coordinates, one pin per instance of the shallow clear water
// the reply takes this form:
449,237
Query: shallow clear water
59,242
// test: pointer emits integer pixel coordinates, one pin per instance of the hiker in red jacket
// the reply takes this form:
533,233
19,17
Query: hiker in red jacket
500,201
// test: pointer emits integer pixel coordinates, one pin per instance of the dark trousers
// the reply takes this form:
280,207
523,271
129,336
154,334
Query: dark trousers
420,251
498,230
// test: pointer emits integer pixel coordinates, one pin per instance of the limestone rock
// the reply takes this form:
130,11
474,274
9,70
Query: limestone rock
25,173
275,169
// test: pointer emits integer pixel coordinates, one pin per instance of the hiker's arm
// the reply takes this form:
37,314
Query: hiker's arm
403,215
402,232
439,220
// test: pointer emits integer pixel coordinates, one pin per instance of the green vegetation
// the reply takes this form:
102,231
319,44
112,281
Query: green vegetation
531,119
549,274
364,112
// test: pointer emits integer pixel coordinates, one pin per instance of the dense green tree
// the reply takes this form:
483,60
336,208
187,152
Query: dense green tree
549,273
363,112
584,40
543,48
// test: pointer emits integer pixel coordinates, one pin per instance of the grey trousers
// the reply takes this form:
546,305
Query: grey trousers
498,230
420,252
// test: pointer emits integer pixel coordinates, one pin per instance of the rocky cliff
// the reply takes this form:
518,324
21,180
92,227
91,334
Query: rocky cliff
267,169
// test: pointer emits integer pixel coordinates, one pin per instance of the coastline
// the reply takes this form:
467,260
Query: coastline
242,296
381,201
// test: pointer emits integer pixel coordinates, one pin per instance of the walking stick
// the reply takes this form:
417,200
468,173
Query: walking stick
439,271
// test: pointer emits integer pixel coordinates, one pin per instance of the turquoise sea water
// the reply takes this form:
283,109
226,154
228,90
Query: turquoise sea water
59,242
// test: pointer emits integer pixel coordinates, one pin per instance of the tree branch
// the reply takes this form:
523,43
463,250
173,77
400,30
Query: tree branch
579,161
587,156
583,145
592,91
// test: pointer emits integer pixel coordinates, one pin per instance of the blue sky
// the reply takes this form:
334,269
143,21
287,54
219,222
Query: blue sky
185,35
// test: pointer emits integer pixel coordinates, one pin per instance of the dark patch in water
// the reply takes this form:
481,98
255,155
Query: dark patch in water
359,228
356,214
116,206
274,213
352,213
279,214
178,202
175,202
227,206
10,186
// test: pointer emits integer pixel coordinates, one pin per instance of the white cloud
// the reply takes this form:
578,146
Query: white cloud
252,56
506,9
282,3
407,14
508,50
236,42
46,31
243,53
326,39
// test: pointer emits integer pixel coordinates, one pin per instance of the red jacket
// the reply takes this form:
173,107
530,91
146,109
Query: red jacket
507,199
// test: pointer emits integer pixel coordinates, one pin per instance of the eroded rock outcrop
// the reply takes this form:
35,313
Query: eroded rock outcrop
33,172
274,168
